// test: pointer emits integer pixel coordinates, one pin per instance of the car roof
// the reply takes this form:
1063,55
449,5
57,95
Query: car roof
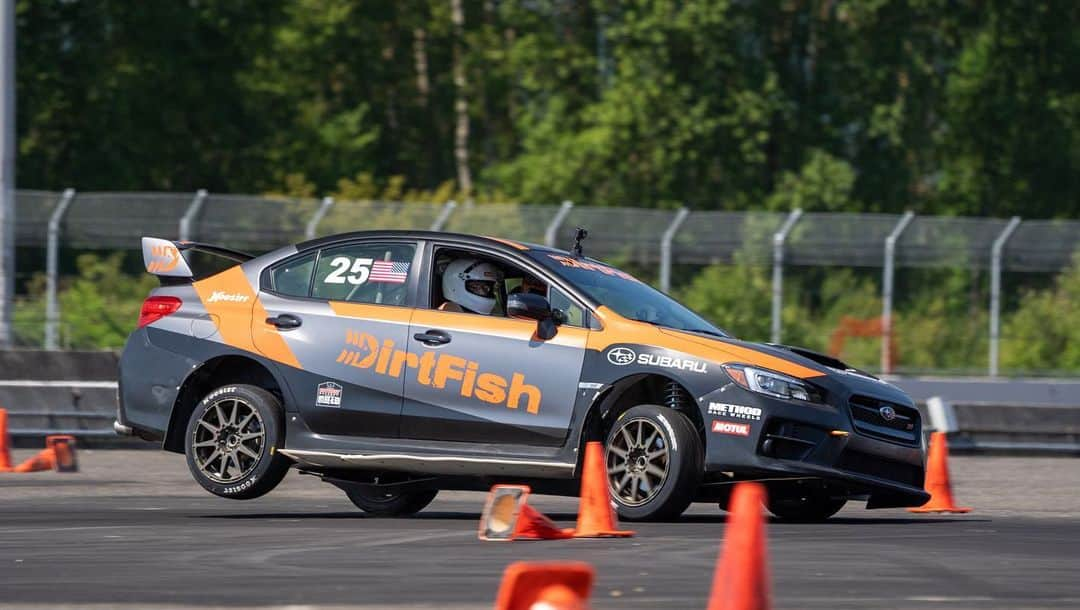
464,238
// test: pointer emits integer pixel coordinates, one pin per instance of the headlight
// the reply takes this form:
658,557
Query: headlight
772,383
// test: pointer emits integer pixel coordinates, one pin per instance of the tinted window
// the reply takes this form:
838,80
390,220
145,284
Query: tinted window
364,273
627,296
293,277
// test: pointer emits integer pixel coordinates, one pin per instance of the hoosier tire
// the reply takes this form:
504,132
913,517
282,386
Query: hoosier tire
231,442
654,463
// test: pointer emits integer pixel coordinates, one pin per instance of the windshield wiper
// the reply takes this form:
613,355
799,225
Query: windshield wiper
703,331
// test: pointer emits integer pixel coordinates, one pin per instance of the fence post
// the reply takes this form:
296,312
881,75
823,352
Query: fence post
444,216
52,268
192,212
887,290
995,291
665,249
316,218
552,230
778,272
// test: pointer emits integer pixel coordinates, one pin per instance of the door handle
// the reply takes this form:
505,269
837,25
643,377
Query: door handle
285,321
433,337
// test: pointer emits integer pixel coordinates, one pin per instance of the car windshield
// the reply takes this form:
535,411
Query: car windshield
626,295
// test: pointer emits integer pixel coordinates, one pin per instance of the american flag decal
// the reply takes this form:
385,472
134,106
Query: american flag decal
389,272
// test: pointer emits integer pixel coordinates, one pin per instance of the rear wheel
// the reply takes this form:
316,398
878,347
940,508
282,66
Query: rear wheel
654,463
390,503
804,504
231,442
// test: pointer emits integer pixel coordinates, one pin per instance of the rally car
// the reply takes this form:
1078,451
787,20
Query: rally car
395,364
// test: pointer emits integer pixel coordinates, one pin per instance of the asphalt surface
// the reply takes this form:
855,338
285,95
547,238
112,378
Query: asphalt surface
133,530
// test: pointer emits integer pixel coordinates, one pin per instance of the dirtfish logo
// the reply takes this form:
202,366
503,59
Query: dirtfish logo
440,370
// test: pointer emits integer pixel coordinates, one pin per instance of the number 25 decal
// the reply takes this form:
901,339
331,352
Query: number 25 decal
358,269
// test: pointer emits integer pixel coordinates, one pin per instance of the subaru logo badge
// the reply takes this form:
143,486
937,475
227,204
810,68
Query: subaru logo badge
887,413
621,356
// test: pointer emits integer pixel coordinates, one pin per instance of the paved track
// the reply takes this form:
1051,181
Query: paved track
132,530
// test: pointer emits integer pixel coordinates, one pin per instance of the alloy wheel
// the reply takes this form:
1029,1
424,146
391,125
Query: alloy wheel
637,462
228,440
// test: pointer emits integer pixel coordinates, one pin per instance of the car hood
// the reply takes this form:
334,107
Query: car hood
812,364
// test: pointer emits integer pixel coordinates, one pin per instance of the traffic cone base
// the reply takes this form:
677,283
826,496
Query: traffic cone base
938,484
44,460
63,446
507,516
548,585
5,443
596,516
741,579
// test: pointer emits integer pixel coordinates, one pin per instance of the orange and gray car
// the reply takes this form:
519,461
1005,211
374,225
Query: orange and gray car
339,357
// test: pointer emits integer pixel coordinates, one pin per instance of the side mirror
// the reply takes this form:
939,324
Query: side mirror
525,306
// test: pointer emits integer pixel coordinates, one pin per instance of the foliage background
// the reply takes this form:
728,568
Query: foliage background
967,107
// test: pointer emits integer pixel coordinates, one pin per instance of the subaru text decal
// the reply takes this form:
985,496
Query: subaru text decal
621,356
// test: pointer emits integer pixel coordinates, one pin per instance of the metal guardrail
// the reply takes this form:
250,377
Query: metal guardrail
645,236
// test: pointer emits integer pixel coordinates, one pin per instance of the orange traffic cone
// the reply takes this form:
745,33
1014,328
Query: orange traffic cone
596,517
741,580
5,448
507,516
937,479
63,446
44,460
546,586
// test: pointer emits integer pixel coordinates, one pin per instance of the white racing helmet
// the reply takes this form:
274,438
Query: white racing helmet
472,284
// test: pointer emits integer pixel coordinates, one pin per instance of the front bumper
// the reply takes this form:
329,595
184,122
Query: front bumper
774,438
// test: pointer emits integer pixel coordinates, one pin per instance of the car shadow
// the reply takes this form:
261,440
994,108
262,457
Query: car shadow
719,519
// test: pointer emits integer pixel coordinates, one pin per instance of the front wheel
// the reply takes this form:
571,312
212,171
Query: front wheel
654,463
231,442
390,503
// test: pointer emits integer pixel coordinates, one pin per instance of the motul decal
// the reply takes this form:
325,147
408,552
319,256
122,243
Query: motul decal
732,428
439,370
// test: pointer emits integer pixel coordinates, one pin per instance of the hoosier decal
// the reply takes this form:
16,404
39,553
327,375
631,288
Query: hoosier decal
440,370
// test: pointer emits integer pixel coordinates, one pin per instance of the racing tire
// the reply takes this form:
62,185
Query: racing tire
390,504
804,506
654,461
232,439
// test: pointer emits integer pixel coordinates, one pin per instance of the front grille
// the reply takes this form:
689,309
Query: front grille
867,414
874,466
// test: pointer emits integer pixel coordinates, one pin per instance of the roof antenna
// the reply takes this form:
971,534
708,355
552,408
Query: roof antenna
579,235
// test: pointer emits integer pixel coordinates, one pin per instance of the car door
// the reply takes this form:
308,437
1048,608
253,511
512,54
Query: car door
488,379
343,311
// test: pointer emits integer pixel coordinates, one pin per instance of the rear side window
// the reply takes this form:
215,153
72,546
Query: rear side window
364,273
293,278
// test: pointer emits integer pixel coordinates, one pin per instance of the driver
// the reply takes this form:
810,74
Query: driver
469,286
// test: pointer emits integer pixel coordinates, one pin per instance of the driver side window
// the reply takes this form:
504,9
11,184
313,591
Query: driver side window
482,284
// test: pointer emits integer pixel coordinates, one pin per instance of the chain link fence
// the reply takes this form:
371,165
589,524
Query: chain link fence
643,237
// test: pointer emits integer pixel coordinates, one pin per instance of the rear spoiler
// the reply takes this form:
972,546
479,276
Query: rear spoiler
169,259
